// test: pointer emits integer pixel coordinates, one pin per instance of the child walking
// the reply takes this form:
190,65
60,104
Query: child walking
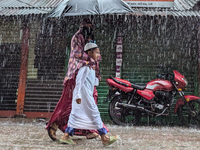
85,113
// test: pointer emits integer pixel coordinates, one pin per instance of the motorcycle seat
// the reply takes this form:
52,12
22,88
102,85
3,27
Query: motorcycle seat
139,87
121,81
128,84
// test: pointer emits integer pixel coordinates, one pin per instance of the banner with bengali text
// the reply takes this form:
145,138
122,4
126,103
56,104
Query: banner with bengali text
150,3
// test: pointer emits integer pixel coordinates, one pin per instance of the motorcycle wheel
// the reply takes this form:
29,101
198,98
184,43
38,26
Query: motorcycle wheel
121,115
190,119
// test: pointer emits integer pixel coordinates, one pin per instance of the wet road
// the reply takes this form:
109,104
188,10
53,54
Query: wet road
29,134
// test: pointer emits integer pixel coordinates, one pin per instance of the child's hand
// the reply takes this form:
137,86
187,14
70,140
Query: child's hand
78,101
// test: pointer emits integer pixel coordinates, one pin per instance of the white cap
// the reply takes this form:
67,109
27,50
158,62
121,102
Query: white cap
90,46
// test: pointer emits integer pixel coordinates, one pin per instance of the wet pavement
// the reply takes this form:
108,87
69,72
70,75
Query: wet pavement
29,134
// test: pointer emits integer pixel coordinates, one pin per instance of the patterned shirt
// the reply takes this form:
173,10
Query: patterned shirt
78,57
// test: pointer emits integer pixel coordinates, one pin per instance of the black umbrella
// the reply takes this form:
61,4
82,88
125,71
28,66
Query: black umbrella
90,7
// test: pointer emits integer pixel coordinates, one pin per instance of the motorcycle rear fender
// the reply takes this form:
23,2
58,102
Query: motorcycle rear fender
180,101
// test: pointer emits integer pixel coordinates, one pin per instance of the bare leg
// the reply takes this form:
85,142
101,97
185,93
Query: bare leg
66,139
52,131
65,136
106,140
92,135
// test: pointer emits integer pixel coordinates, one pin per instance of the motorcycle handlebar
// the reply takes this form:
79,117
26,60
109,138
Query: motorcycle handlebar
167,67
159,66
166,72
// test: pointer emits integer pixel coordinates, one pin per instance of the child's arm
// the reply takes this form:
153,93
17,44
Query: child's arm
80,79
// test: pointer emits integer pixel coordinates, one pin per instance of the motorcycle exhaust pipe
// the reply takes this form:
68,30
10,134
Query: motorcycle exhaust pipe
130,106
134,107
139,107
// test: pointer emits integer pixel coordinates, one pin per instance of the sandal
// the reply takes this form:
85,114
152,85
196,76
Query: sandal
52,131
112,139
68,141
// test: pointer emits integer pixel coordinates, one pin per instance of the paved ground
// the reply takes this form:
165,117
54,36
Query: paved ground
29,134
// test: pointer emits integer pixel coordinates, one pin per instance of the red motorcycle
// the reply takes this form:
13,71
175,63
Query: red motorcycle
129,102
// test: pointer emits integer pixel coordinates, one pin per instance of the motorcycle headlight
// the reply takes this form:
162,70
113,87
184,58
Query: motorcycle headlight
186,82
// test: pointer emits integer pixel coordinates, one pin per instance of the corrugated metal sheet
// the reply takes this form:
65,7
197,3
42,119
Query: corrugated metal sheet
24,7
182,5
178,4
181,8
14,11
29,3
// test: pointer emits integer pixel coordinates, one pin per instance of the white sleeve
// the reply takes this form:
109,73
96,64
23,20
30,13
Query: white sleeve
80,79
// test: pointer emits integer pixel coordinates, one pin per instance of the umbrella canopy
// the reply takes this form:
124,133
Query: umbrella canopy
90,7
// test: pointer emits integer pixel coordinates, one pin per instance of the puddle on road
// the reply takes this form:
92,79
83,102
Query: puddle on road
30,134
